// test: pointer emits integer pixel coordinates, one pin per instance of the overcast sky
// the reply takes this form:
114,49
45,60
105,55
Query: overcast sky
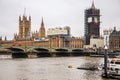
56,13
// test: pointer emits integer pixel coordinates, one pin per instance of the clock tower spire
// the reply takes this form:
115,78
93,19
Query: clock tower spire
93,6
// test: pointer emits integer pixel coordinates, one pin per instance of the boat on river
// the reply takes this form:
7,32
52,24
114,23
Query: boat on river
112,64
115,61
88,68
113,68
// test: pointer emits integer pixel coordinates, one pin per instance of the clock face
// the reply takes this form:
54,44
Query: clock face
95,19
89,19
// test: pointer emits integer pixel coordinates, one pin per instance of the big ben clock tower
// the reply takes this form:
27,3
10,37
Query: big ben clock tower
92,23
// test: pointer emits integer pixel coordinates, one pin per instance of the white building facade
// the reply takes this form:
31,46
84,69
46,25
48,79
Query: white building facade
59,31
96,42
106,34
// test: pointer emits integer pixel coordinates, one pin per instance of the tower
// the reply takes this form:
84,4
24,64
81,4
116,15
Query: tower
24,27
92,23
42,30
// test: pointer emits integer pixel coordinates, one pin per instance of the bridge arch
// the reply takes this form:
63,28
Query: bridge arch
61,49
42,52
77,52
62,52
17,52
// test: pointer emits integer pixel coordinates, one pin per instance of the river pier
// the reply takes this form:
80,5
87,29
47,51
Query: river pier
109,73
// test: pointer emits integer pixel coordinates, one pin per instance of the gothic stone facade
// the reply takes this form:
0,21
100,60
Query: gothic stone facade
39,38
114,40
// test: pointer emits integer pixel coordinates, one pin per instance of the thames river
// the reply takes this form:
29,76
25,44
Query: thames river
48,68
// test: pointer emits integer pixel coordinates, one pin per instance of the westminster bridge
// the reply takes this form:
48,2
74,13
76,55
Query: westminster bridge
46,52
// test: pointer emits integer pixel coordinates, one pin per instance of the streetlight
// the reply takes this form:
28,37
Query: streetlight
105,59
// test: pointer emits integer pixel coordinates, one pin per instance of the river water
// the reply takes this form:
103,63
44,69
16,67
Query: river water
48,68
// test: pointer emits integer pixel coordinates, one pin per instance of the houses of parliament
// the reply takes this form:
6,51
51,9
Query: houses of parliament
59,37
56,37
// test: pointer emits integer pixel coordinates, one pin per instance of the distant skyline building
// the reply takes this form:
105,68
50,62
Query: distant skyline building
92,23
